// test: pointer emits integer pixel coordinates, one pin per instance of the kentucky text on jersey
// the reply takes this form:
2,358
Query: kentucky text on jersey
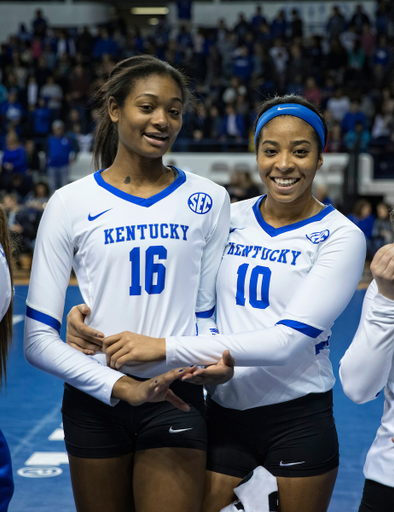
145,231
256,251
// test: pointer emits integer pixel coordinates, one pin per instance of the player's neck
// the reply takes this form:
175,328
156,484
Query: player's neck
141,177
279,215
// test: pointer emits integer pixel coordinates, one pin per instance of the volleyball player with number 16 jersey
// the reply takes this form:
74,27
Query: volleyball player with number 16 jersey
145,241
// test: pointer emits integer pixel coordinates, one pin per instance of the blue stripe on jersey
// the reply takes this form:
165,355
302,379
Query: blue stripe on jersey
271,231
206,314
43,318
179,180
299,326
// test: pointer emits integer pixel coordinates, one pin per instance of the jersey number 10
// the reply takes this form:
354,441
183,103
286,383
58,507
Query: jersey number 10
259,284
155,273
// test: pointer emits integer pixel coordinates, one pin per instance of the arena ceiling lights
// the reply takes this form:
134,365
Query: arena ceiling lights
149,11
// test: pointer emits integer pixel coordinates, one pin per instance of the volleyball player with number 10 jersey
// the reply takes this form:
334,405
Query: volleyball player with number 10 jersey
145,242
289,269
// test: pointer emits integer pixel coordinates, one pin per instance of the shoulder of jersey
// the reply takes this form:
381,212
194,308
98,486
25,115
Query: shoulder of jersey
195,180
77,186
241,206
342,222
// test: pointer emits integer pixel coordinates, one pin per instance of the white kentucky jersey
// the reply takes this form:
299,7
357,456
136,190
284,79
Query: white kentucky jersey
5,283
143,265
366,368
281,289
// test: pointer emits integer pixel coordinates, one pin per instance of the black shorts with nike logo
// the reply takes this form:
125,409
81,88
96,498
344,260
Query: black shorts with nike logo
297,438
96,430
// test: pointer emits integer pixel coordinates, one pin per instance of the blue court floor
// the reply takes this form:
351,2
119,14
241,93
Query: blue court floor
31,421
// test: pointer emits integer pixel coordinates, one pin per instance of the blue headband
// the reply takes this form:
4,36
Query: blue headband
292,109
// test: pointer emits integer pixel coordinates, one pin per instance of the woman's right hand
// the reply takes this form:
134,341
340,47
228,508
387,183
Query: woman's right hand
156,389
79,335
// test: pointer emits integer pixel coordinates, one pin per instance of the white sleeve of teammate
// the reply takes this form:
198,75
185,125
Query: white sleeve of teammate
317,303
52,262
5,284
210,262
366,365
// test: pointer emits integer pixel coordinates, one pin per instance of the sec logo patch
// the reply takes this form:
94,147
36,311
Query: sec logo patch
200,203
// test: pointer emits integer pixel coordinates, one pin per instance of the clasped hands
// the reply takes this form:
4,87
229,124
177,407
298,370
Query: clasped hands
128,348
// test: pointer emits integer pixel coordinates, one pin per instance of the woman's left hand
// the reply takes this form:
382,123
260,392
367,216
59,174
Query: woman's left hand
382,268
213,374
127,347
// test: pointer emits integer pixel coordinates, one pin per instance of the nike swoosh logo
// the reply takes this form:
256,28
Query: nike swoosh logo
287,108
234,229
281,463
175,431
90,218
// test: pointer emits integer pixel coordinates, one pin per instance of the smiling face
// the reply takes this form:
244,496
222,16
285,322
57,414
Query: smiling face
288,159
151,117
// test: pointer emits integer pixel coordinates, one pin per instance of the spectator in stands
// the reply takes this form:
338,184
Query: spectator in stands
312,92
85,42
38,197
383,124
22,227
59,157
11,112
297,28
279,26
357,139
241,28
356,61
363,218
359,19
14,156
381,56
53,94
33,160
368,40
348,38
241,186
14,167
104,44
42,119
65,45
335,142
258,19
382,232
243,64
233,126
280,57
31,91
349,120
184,12
39,25
336,23
382,19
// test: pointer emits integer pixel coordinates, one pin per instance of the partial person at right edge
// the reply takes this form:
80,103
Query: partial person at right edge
6,480
366,368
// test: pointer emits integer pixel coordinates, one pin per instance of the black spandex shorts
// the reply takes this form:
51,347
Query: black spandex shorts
96,430
377,497
291,439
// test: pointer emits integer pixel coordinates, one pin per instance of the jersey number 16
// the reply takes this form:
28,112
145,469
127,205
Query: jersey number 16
155,273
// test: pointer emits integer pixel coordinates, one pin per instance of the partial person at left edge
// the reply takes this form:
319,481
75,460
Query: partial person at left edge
6,480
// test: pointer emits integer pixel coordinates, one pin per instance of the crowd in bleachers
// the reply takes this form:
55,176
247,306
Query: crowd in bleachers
48,77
